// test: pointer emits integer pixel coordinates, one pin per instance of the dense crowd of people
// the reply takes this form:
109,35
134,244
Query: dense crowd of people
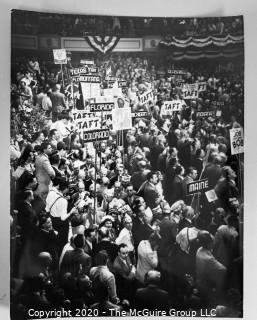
111,225
71,25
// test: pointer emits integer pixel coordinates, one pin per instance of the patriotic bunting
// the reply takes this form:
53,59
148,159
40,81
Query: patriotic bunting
102,44
203,42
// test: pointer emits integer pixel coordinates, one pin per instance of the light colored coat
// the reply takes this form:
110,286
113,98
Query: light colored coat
44,172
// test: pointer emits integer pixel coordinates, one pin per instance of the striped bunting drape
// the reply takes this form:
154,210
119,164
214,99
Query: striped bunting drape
102,44
203,42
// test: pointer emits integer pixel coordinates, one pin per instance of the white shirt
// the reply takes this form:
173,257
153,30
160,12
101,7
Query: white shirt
125,237
59,208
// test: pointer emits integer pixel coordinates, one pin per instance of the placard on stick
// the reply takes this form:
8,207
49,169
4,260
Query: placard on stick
60,56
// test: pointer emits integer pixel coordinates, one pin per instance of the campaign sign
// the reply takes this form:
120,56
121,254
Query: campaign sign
146,97
179,83
110,78
202,86
89,62
190,91
211,195
99,107
140,114
122,83
169,107
218,103
88,124
205,114
176,72
197,186
81,114
60,56
96,135
90,79
236,140
121,118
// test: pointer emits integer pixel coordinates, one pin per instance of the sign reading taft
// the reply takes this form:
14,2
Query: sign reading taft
96,135
197,186
99,107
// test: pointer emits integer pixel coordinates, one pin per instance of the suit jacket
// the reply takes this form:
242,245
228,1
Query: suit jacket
140,231
152,298
177,189
110,247
27,220
209,272
138,178
73,259
122,268
213,173
44,173
88,250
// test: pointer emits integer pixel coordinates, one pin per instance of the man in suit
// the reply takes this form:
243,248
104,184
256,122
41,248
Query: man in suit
210,273
140,176
190,177
177,187
90,241
152,297
149,191
76,261
44,171
130,196
26,216
124,273
106,244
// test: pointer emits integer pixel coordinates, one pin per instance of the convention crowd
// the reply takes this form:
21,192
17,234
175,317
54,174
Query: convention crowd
110,225
35,23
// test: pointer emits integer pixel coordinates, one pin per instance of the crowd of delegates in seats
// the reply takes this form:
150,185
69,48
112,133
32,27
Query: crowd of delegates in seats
114,228
72,25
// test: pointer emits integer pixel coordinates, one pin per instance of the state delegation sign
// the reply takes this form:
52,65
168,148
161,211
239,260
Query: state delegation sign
96,135
197,186
100,107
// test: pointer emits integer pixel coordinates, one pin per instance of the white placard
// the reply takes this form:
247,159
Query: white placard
121,119
60,56
236,140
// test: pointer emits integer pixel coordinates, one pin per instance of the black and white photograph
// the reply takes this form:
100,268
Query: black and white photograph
126,166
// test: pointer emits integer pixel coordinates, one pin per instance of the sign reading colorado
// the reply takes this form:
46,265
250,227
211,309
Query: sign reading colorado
96,135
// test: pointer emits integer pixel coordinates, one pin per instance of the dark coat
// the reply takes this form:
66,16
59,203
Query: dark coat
152,298
150,194
73,259
177,190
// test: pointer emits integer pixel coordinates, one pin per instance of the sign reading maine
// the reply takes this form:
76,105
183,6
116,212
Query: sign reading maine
197,186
